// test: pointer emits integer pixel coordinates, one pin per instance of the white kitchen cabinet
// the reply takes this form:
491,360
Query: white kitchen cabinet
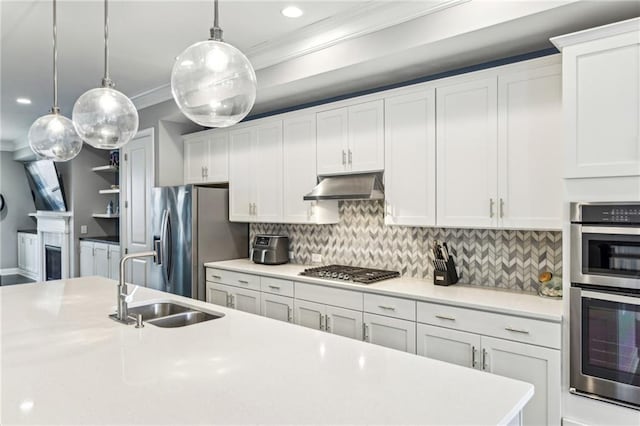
299,174
99,259
234,297
530,133
256,185
351,139
28,254
531,364
277,307
343,322
390,332
601,93
410,159
455,347
309,314
467,153
206,157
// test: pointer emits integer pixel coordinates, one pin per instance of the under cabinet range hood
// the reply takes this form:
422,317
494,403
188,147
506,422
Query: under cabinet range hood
367,186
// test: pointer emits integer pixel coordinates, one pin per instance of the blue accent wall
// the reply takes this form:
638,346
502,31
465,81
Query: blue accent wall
464,70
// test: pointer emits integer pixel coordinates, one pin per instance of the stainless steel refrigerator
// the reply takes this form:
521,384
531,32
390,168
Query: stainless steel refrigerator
191,225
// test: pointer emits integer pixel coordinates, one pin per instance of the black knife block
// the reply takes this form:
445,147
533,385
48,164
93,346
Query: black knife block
448,276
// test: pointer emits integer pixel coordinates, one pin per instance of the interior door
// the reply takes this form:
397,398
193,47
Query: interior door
277,307
137,180
390,332
344,322
456,347
309,314
467,158
267,172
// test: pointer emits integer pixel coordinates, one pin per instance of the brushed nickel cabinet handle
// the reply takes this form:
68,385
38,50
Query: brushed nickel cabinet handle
321,322
243,282
491,202
274,287
327,324
387,308
444,317
501,208
517,330
473,356
217,277
350,157
289,314
344,157
484,359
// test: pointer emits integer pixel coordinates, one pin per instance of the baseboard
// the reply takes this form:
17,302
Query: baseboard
31,275
10,271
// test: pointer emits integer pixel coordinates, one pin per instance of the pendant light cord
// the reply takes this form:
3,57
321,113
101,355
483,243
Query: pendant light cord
55,109
215,32
106,81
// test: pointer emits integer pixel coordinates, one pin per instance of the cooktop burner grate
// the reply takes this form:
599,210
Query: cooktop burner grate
350,273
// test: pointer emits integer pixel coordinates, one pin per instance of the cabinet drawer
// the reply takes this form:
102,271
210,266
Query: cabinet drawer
233,278
390,306
329,296
276,286
509,327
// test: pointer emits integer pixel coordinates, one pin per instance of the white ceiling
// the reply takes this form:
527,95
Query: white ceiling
337,46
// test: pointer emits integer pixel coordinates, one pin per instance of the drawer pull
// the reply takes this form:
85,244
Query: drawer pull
243,282
274,287
516,330
217,277
444,317
387,308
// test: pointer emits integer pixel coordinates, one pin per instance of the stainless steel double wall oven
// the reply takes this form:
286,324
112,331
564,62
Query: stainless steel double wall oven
605,302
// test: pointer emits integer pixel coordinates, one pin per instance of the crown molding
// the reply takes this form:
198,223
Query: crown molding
152,97
630,25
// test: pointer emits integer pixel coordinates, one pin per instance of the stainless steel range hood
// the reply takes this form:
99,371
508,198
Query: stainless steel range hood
366,186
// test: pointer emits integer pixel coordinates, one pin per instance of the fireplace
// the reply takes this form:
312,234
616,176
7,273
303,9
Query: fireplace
52,262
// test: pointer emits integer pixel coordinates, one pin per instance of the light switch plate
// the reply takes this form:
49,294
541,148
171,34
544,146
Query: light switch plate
316,258
83,229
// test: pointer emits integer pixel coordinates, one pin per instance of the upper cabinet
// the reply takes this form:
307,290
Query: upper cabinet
256,185
410,158
601,92
299,172
206,157
351,139
499,142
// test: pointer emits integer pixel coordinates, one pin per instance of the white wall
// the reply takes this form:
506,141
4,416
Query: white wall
15,189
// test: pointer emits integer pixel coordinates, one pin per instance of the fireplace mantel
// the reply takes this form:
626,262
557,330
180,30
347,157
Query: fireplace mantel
54,229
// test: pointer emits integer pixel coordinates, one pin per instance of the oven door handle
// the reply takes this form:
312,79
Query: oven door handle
614,230
630,300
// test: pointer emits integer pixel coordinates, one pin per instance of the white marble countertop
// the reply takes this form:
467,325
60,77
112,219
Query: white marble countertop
476,297
65,362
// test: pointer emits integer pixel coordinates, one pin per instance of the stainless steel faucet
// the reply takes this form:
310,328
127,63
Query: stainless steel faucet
122,313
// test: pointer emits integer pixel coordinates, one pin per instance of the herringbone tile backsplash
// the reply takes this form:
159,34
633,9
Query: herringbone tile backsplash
491,258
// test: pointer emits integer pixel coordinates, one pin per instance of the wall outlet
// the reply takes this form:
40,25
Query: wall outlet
316,258
83,229
290,255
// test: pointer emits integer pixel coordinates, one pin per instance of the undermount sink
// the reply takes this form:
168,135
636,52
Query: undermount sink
170,315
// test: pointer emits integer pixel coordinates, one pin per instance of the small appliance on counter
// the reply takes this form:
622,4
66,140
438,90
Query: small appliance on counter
444,268
270,249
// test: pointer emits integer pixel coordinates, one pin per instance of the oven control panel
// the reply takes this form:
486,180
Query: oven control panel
611,213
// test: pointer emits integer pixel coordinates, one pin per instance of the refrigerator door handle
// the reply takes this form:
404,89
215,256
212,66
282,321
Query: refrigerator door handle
169,247
163,244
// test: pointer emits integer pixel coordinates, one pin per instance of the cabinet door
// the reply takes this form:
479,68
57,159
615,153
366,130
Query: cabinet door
601,92
114,262
277,307
217,168
531,364
530,131
196,156
456,347
467,159
30,255
390,332
86,259
21,251
332,141
218,294
299,149
366,137
240,175
101,260
245,300
267,172
344,322
309,314
410,159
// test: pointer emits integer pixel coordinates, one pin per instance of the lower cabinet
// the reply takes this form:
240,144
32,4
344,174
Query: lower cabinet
99,259
340,321
28,259
277,307
532,364
234,297
390,332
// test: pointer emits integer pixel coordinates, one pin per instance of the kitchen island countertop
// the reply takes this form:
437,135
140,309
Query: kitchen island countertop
64,361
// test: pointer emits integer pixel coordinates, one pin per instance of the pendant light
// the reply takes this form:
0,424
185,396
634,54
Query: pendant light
53,136
104,117
212,82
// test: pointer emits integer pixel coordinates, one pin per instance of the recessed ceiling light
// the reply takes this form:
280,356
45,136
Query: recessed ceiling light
24,101
292,12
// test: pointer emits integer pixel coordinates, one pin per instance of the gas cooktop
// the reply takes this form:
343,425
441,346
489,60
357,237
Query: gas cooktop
350,273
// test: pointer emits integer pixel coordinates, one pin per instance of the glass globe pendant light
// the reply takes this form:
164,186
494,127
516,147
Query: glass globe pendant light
53,136
212,82
104,117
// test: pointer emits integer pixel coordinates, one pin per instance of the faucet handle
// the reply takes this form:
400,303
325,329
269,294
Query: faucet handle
129,297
